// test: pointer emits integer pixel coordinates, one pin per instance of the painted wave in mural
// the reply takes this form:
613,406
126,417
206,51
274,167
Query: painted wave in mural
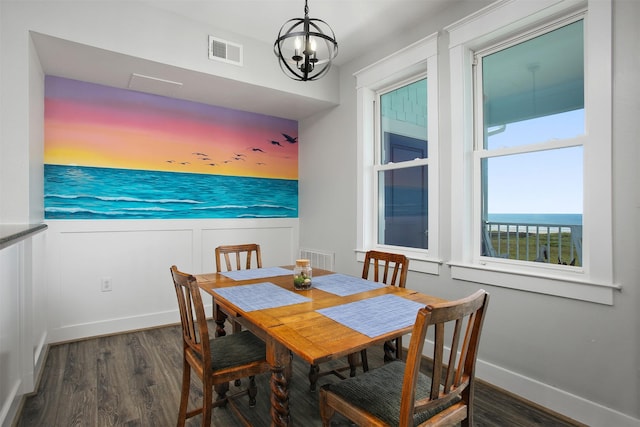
79,192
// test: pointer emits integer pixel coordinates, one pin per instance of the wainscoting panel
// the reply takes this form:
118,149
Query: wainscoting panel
106,277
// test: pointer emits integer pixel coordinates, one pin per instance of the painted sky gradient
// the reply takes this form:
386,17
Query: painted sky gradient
93,125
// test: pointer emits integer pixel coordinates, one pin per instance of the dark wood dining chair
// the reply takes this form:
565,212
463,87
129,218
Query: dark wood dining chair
236,257
390,269
215,361
242,254
399,394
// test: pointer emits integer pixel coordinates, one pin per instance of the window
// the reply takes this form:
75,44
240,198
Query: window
397,159
528,155
531,147
401,167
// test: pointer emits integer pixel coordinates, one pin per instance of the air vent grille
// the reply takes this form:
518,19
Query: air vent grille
225,51
319,259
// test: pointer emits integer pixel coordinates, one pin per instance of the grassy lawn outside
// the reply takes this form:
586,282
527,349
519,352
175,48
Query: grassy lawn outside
528,246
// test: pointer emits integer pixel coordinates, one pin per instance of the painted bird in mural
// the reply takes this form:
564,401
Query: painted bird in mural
290,139
258,149
276,143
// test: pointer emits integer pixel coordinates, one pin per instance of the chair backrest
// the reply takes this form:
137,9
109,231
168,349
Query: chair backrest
384,261
453,378
192,316
246,250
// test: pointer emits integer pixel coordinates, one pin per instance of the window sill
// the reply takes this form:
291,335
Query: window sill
417,262
583,290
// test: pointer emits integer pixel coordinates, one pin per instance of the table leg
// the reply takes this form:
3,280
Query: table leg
279,359
220,318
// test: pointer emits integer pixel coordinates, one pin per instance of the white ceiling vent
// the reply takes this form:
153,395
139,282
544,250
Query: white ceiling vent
155,85
225,51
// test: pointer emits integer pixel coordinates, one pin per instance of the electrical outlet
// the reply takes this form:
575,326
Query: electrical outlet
106,284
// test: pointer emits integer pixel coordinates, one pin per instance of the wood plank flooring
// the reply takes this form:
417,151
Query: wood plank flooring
133,380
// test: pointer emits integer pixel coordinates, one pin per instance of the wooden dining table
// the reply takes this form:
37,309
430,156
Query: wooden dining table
306,325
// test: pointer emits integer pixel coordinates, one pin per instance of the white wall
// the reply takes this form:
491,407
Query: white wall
135,256
580,359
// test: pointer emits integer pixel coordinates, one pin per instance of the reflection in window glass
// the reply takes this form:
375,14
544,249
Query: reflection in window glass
403,113
534,91
403,207
403,190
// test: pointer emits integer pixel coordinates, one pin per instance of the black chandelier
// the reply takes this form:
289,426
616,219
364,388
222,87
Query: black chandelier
305,47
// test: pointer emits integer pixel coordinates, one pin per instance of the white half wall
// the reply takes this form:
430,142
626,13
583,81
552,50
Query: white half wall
23,331
135,256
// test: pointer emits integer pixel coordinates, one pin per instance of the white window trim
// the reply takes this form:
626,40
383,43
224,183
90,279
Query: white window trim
419,58
593,282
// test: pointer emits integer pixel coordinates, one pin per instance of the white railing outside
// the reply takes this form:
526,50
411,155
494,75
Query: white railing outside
550,243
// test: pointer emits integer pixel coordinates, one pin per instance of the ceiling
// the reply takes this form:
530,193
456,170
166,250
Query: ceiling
359,25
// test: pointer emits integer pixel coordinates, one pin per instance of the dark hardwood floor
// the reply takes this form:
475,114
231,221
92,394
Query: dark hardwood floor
133,379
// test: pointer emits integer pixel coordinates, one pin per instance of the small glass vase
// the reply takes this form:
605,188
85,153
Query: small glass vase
302,275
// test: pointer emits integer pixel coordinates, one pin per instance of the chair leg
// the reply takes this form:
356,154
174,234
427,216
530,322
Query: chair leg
314,370
221,390
365,360
353,363
184,394
253,391
326,411
467,396
389,351
207,402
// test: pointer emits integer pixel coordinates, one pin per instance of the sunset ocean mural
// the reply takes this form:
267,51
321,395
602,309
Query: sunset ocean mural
113,153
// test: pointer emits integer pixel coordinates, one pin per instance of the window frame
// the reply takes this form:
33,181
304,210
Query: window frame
414,62
594,281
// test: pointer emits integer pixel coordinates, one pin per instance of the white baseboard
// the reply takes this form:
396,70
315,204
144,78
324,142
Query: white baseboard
113,326
555,399
10,406
560,401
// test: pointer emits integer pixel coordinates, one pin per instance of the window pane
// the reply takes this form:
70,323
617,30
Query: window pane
532,206
403,121
534,91
403,207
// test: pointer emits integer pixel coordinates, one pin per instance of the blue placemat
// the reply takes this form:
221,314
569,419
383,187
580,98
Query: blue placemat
257,273
260,296
343,285
375,316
